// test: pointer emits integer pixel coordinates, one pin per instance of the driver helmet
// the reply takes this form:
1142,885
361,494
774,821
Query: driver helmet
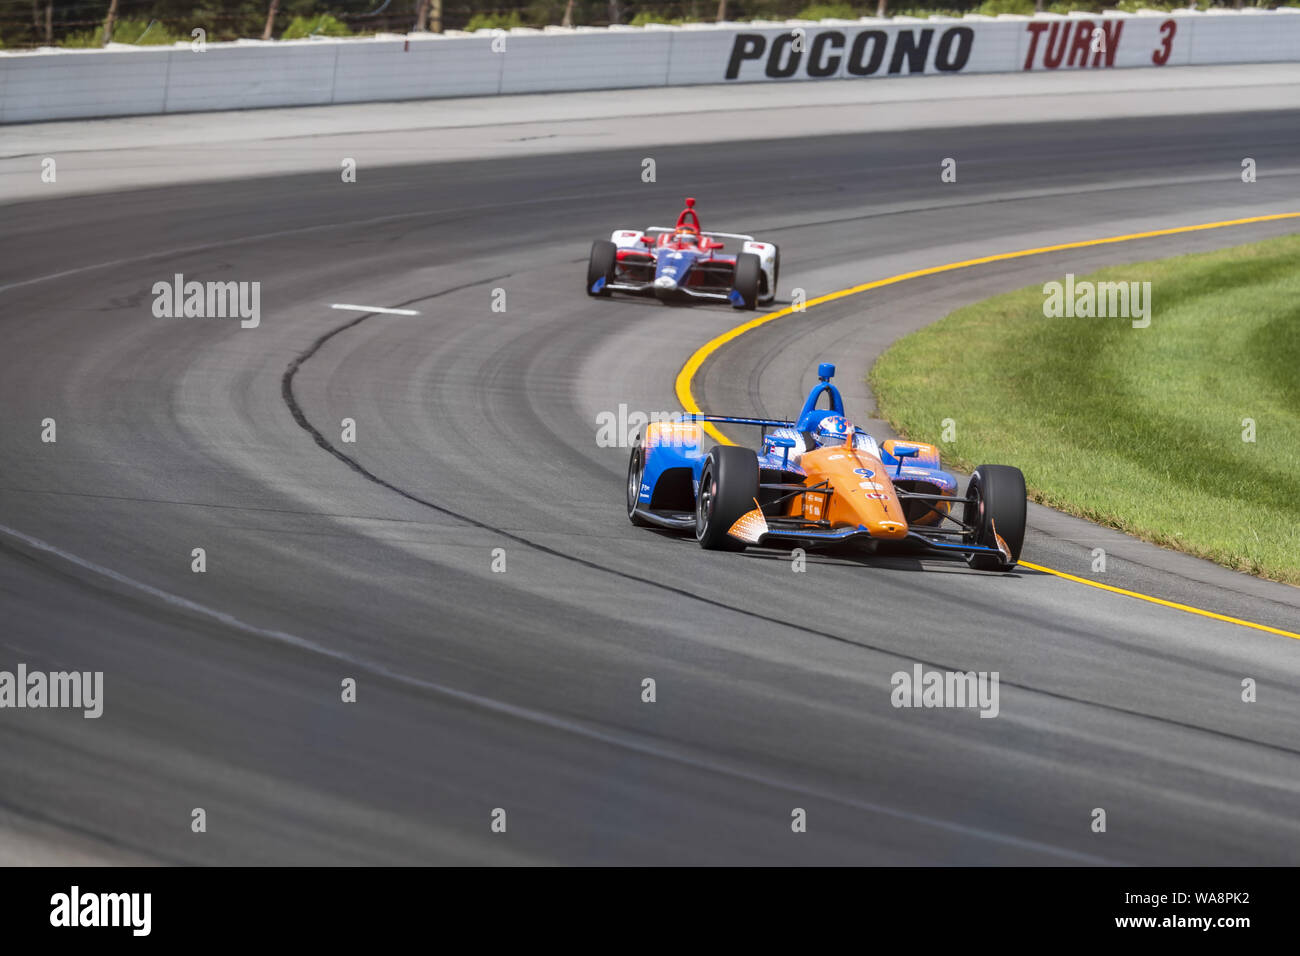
686,234
834,430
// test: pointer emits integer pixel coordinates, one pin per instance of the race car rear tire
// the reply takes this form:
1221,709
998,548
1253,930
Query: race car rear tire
995,501
604,254
728,489
745,282
776,270
635,472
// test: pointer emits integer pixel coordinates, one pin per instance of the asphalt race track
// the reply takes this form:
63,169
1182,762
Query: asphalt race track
477,430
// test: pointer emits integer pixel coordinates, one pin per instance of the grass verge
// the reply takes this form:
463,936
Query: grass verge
1140,429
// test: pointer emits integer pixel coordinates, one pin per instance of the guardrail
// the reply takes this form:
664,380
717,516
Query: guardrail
126,80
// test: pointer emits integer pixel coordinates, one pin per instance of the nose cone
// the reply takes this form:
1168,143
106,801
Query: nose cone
887,528
864,496
873,507
671,269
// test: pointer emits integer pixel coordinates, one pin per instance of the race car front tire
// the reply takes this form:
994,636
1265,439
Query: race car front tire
604,254
745,282
635,473
995,503
728,489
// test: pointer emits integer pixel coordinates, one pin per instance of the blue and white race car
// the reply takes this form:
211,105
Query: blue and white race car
684,263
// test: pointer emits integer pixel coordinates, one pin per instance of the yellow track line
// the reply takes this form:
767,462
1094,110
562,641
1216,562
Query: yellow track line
1161,601
687,375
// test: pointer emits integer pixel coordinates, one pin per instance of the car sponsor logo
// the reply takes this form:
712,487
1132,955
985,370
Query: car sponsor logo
862,53
871,485
877,496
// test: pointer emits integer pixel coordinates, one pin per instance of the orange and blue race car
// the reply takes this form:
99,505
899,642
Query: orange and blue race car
820,481
685,262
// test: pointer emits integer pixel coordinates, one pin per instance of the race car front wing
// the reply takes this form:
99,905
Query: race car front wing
759,529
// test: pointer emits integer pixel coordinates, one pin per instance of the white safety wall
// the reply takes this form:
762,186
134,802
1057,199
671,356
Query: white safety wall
127,81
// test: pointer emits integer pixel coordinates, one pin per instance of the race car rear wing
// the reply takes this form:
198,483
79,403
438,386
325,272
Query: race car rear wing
728,420
766,423
762,423
709,234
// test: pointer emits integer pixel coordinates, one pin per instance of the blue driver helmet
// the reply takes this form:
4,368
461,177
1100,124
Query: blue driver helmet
834,430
